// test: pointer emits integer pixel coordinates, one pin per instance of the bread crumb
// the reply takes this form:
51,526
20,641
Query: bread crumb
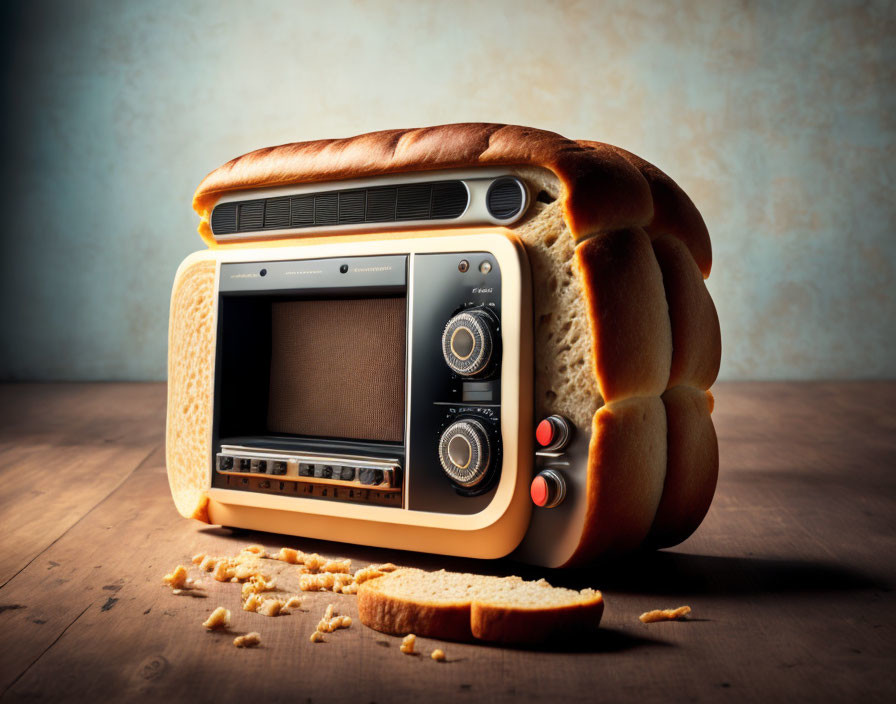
407,644
190,590
270,607
208,563
366,573
388,567
325,625
289,555
243,571
257,583
313,561
317,637
665,614
224,571
350,588
177,579
343,566
332,621
219,618
316,582
250,640
294,602
438,655
252,603
255,550
198,558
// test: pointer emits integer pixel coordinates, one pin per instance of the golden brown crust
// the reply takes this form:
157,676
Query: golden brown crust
630,330
626,469
602,189
674,213
499,624
390,614
696,339
692,467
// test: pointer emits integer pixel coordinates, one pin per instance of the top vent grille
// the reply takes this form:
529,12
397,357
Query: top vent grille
439,200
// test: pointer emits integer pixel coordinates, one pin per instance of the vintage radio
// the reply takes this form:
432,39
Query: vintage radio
477,340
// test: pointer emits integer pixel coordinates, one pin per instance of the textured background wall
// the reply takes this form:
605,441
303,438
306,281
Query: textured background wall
778,122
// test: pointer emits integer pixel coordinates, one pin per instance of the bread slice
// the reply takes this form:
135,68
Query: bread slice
191,350
465,607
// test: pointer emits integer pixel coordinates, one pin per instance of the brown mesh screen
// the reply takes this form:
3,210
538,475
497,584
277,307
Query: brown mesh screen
337,368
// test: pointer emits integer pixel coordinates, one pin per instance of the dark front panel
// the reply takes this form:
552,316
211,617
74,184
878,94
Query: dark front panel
444,285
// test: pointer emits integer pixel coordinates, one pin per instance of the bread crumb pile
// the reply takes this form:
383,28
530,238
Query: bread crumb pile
275,584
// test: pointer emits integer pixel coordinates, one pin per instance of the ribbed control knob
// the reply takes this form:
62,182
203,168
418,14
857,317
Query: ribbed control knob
468,342
464,452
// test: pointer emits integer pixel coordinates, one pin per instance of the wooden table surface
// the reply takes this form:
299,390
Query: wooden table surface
790,577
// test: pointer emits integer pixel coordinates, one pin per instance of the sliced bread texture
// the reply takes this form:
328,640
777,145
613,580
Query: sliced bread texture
467,607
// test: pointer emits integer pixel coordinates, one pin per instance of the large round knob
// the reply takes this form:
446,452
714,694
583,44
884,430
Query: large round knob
468,342
464,452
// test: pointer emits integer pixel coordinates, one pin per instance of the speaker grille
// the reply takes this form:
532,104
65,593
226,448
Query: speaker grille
224,219
439,200
449,199
381,204
251,215
310,395
301,211
504,198
352,205
326,208
414,202
276,213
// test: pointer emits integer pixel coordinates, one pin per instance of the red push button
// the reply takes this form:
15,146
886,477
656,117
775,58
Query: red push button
553,433
539,491
545,433
547,489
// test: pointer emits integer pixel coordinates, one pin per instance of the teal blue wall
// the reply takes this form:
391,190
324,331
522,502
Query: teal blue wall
778,122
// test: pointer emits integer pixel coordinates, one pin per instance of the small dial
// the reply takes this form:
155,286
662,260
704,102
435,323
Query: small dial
468,342
464,452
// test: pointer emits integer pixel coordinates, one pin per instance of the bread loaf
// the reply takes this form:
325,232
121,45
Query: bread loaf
457,606
627,339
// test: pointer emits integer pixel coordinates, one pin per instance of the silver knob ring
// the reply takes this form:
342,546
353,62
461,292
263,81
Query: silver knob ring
474,470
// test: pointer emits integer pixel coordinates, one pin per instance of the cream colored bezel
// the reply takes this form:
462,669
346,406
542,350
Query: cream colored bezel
493,532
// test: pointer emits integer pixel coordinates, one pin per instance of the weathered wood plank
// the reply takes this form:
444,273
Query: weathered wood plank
790,579
64,448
